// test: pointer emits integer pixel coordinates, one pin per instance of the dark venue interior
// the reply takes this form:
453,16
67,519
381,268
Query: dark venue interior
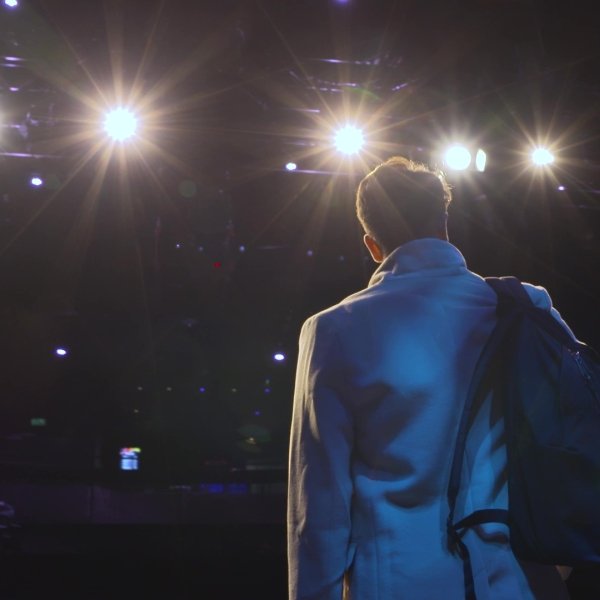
153,288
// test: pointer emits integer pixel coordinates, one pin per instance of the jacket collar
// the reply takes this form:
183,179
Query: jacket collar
417,255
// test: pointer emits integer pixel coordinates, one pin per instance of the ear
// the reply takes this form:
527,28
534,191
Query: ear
374,248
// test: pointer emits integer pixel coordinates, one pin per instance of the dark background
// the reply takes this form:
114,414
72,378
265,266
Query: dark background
174,267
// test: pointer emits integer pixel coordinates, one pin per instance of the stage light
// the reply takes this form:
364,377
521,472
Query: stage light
291,166
561,188
279,357
542,157
11,3
457,158
120,124
480,160
36,181
349,140
61,352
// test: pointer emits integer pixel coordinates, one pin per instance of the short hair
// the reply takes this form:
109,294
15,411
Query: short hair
401,200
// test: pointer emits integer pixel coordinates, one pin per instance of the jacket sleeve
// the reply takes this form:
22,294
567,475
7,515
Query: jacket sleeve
320,484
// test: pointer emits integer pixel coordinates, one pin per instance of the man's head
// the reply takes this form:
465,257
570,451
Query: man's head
400,201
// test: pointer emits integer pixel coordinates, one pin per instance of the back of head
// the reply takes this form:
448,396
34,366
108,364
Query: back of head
401,200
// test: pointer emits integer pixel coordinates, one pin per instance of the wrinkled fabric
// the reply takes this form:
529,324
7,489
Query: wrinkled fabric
380,384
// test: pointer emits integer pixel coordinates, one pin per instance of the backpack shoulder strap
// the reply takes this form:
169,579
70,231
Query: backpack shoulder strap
493,345
509,289
507,315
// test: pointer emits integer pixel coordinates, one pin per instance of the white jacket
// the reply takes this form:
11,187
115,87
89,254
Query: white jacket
380,384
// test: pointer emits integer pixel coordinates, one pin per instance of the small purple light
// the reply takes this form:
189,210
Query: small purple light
561,188
257,413
267,390
242,248
177,246
61,352
202,390
279,357
309,253
36,181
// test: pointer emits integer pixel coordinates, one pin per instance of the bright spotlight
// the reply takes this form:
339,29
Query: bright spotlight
542,156
480,160
291,166
61,352
36,181
279,357
120,124
457,158
349,140
11,3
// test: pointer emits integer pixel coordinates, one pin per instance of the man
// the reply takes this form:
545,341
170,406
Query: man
380,385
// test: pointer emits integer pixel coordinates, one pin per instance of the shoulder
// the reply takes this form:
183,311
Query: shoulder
341,315
322,324
539,295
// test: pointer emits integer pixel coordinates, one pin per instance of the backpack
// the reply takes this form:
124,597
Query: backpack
549,386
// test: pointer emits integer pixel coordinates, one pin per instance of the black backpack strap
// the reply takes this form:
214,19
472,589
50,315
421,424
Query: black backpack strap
507,317
509,288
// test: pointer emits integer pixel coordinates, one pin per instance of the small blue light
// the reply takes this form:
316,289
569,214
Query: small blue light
291,166
242,248
61,352
211,488
279,357
11,3
36,181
